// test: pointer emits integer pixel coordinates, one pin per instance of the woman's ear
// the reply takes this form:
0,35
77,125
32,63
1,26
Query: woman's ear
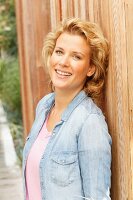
91,70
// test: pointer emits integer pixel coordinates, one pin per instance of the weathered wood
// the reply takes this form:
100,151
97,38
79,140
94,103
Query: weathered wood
115,17
129,49
33,23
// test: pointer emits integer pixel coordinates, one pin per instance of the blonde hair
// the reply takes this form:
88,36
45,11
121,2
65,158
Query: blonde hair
98,48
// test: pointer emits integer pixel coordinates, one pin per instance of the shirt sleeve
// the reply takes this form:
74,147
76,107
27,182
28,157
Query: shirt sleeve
94,145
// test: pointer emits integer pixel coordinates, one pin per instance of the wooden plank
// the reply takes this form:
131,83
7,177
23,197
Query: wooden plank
120,129
55,13
129,38
32,27
26,92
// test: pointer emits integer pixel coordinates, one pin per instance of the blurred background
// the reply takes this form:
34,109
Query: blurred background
11,128
9,73
23,27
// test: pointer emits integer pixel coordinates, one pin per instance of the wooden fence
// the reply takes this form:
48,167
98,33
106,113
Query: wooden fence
35,19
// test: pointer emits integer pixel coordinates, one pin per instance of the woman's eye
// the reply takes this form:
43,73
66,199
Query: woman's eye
76,57
58,52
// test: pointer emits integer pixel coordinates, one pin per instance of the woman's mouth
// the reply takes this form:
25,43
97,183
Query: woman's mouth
63,73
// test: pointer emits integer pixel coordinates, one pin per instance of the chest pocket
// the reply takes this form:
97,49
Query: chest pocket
63,168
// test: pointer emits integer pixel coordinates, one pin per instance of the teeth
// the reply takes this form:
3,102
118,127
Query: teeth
63,73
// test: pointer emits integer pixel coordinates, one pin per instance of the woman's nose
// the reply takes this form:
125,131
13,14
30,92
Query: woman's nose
64,61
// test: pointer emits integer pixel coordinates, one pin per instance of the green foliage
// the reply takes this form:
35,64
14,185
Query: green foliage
10,85
9,73
2,68
8,27
11,99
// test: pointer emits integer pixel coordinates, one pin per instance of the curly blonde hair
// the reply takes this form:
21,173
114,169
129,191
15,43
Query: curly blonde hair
98,44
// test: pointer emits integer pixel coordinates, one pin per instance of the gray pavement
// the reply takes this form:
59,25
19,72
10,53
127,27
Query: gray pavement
10,173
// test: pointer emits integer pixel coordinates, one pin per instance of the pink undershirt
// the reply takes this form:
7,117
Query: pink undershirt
33,189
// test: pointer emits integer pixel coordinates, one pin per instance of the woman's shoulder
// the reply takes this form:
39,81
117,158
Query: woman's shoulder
94,121
89,107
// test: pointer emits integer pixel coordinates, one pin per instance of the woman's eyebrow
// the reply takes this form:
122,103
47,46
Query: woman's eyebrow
78,52
59,48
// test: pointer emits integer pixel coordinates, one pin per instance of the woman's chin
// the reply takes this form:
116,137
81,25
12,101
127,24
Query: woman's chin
60,85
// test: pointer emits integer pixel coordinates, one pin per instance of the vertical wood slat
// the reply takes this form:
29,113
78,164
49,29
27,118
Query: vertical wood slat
24,70
121,93
67,8
40,27
129,38
115,18
55,13
31,20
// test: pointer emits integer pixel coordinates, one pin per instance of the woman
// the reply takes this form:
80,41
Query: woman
67,155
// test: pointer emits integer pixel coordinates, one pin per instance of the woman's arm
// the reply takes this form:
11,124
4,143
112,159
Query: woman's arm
94,145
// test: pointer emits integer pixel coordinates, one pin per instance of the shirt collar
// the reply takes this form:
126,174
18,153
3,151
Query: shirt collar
72,105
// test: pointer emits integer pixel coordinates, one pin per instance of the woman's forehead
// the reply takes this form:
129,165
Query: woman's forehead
73,41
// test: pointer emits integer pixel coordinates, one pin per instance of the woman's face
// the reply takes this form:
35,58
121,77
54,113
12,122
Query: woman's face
70,63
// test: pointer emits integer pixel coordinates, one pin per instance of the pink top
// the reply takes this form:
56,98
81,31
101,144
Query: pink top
32,166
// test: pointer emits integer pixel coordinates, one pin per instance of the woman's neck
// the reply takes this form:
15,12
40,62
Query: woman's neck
63,98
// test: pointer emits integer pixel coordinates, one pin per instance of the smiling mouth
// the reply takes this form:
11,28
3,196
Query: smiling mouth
62,73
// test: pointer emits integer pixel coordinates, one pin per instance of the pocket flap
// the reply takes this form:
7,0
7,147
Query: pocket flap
64,158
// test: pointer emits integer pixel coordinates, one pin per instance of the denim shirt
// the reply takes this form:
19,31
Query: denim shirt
76,162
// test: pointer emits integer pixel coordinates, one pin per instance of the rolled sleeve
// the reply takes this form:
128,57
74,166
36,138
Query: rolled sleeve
94,145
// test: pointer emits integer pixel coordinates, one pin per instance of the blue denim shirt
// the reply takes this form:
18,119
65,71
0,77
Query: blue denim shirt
76,162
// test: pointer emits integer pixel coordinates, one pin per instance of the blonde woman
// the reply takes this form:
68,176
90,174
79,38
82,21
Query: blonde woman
67,155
